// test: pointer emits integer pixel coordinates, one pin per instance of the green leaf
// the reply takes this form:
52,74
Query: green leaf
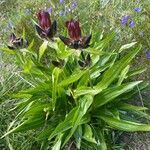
27,66
124,125
126,106
72,78
138,110
83,90
65,125
88,134
105,42
78,136
55,75
84,105
74,118
127,46
42,49
7,50
111,93
123,75
57,145
112,73
99,136
136,72
32,123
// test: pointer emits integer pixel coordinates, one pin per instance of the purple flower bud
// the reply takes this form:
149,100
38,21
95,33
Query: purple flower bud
50,10
132,24
61,1
148,55
125,19
138,9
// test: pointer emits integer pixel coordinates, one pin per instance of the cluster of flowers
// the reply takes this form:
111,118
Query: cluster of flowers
47,30
126,20
67,8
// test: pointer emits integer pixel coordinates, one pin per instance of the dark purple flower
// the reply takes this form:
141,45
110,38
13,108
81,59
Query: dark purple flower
138,9
75,41
50,10
125,19
45,28
15,43
148,55
132,24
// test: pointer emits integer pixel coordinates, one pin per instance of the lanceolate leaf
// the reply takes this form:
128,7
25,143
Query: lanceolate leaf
123,75
88,134
42,49
84,105
112,73
32,123
127,46
74,77
109,76
55,76
111,93
67,123
124,125
126,106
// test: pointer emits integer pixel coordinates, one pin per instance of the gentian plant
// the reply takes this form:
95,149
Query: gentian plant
80,94
75,41
45,28
16,42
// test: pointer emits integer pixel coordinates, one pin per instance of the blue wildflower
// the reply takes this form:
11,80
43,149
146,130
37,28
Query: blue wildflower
148,55
125,19
138,9
61,13
132,24
50,10
61,1
73,5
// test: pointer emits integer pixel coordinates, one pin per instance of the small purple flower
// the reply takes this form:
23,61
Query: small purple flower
50,10
61,13
61,1
138,9
132,24
148,55
73,5
125,19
